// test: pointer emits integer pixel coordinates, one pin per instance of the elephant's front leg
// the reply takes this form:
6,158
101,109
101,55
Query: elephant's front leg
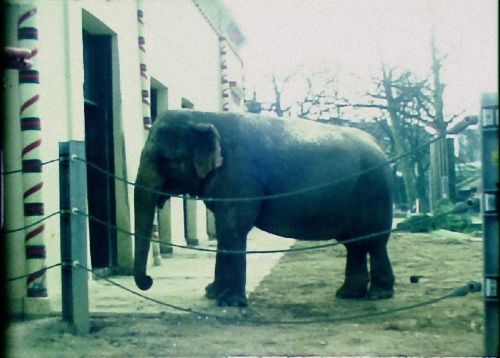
232,227
228,287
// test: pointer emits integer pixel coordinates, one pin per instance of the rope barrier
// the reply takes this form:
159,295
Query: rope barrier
21,170
470,287
41,271
315,247
263,197
31,225
460,291
457,209
457,292
179,308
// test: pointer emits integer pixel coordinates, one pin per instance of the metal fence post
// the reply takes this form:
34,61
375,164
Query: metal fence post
73,195
489,158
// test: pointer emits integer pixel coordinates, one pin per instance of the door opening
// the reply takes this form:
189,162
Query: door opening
99,148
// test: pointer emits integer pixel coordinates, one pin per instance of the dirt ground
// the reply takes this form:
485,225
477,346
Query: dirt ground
300,287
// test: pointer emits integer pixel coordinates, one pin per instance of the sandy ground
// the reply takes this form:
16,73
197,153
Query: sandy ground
296,287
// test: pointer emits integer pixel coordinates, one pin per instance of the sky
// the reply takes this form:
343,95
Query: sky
353,37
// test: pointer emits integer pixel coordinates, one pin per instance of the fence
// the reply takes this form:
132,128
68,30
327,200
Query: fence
74,267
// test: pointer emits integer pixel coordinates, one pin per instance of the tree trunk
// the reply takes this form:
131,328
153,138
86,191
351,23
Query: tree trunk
421,186
442,162
406,167
401,146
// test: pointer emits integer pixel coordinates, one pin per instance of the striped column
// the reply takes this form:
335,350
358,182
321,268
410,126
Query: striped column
225,89
145,80
31,162
146,108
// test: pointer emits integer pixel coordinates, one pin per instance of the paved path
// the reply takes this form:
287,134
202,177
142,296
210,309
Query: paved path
181,279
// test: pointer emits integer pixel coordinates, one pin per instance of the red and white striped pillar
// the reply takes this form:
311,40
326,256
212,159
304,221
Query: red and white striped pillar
225,89
145,80
29,94
146,107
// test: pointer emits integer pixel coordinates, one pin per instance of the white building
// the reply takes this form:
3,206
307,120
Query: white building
88,60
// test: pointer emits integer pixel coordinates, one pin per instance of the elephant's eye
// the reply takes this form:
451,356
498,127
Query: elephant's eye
164,160
176,164
174,161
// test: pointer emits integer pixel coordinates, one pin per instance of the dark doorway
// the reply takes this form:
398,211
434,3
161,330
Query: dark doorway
154,104
99,148
159,99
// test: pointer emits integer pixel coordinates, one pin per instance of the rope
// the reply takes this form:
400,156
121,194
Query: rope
178,308
30,225
246,252
264,197
20,170
38,271
241,252
471,286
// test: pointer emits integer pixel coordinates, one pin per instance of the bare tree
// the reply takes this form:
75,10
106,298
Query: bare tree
278,88
416,108
317,99
276,106
402,97
322,99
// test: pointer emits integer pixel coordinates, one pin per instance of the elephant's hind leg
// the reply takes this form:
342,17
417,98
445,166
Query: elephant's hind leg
381,275
356,273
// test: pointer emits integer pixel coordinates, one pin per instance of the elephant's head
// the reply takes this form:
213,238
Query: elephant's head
176,158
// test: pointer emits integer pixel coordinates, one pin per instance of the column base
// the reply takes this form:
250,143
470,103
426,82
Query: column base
15,307
36,306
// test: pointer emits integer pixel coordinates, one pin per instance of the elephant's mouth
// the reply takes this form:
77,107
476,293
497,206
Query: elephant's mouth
172,188
181,186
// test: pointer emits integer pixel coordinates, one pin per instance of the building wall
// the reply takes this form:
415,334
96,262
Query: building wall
182,53
183,60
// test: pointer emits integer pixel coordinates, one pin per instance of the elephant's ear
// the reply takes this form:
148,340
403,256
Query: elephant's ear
206,149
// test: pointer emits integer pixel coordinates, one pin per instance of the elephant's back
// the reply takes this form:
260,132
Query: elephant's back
273,133
293,134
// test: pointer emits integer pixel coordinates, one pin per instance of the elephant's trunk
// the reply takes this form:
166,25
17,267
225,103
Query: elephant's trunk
144,207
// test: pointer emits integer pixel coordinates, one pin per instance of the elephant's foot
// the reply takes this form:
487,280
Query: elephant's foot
192,242
232,299
210,291
347,291
144,282
225,297
380,293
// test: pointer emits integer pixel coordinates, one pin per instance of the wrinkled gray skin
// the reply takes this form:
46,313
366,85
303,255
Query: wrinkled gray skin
240,155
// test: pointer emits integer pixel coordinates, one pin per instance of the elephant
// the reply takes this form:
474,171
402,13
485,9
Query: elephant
295,178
